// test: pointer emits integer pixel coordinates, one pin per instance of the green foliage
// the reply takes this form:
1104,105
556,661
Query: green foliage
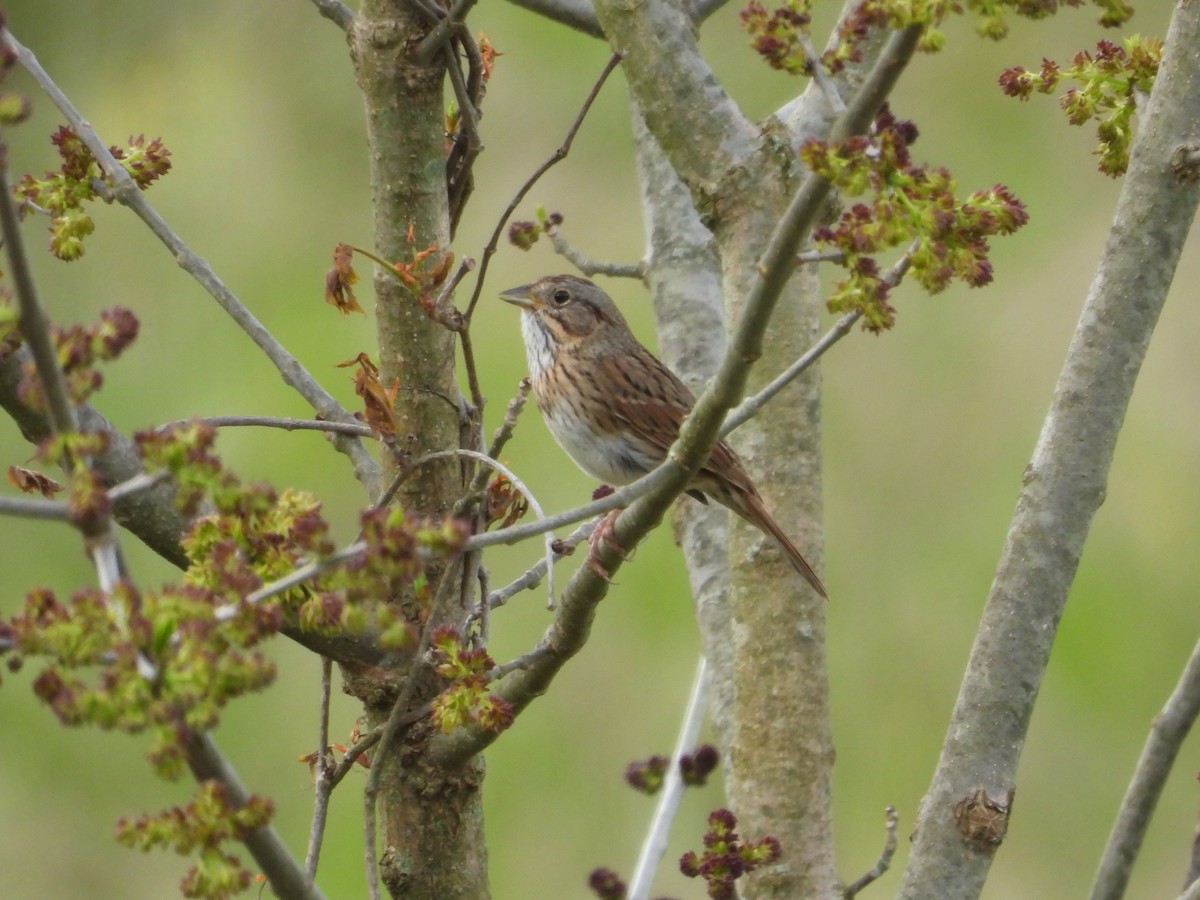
202,827
907,204
466,700
63,192
169,661
781,36
1110,83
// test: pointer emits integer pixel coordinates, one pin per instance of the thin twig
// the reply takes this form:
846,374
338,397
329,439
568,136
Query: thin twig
440,34
524,661
654,845
287,424
126,191
588,266
137,484
32,508
824,82
751,405
556,157
890,819
1166,736
516,483
350,757
534,575
321,781
336,12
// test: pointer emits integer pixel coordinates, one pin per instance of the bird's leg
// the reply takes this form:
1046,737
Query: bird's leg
603,533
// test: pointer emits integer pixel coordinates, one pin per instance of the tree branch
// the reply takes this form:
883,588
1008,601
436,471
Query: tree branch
697,124
287,878
1166,736
1064,483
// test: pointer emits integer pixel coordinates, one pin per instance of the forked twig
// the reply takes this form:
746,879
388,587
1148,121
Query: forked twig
556,157
891,820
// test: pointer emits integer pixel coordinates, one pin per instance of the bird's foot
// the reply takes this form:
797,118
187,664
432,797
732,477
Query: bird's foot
603,535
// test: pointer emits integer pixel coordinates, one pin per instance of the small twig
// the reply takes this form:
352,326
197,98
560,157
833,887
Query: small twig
524,661
441,32
590,267
556,157
824,82
136,484
350,757
655,843
534,575
516,483
286,877
819,256
751,405
1166,736
33,508
321,782
891,820
336,12
287,424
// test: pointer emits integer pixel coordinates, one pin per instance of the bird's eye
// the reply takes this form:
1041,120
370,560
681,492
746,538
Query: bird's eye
561,296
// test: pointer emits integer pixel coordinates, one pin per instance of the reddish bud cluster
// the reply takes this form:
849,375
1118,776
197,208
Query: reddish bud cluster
63,193
778,36
906,204
646,775
203,826
607,884
523,234
1109,84
80,349
695,767
466,700
726,856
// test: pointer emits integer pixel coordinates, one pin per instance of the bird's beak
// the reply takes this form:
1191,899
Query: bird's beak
520,296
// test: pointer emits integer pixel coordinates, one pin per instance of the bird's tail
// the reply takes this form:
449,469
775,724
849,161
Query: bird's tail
755,506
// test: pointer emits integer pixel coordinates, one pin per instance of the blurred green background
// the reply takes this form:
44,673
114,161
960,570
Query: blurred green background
928,429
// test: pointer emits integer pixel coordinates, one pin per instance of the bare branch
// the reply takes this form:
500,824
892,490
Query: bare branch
321,780
577,14
589,266
32,508
287,878
654,845
1166,736
891,820
287,424
534,575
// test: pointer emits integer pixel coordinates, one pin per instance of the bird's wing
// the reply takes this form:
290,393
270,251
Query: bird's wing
652,401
